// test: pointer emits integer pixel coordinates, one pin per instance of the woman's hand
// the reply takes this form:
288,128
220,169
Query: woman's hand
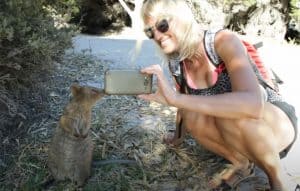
165,94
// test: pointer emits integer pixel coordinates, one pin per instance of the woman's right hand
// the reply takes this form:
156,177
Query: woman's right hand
165,94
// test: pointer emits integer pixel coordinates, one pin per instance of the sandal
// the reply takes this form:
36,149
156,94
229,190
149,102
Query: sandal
230,177
217,180
241,175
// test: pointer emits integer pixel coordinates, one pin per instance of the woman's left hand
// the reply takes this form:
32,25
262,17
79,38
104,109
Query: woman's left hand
165,94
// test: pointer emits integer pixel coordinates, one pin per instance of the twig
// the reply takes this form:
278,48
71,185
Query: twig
2,101
5,77
120,161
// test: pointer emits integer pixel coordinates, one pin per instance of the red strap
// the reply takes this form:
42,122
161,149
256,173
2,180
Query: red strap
255,57
177,86
220,68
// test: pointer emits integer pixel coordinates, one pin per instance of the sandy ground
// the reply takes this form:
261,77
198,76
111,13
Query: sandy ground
281,57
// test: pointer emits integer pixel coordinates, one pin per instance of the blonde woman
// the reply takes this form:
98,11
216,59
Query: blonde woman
222,100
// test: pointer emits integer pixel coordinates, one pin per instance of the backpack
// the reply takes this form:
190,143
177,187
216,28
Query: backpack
267,77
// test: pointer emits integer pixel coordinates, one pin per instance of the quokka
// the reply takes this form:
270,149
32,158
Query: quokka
71,147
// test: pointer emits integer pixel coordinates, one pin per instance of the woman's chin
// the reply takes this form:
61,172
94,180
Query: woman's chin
168,49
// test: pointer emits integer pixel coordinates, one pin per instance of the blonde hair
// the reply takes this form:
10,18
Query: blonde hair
188,34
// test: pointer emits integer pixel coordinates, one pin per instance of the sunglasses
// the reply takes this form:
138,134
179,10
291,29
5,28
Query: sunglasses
162,26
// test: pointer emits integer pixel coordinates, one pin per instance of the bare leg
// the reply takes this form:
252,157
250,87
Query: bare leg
238,141
178,137
205,132
261,140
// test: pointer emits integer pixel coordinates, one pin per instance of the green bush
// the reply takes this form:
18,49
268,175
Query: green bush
33,34
295,10
29,34
247,3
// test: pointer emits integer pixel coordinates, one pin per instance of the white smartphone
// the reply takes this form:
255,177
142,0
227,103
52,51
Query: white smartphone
127,82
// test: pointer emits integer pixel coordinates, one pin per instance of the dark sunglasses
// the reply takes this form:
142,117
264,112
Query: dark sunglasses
162,26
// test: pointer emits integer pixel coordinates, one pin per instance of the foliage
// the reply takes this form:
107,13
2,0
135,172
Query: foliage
247,3
67,8
33,35
112,17
295,10
29,34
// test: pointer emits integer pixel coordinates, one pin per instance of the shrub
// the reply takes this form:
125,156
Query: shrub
28,35
295,10
33,34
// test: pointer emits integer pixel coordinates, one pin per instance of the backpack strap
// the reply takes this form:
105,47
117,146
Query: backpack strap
258,45
209,46
176,68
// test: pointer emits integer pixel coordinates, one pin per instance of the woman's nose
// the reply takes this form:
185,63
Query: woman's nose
157,34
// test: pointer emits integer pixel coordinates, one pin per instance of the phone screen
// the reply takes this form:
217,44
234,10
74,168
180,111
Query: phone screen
127,82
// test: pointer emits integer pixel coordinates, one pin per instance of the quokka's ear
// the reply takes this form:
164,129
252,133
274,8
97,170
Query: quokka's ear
75,88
